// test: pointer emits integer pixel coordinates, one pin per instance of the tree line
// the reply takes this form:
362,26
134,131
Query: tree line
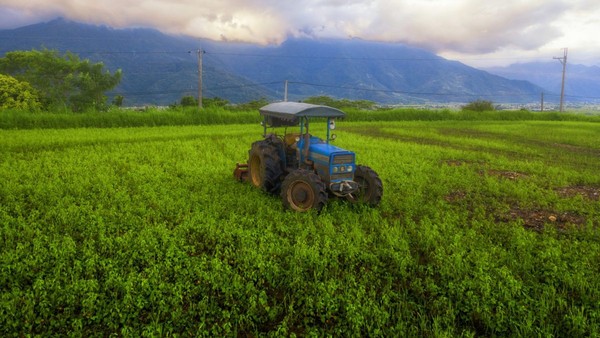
47,80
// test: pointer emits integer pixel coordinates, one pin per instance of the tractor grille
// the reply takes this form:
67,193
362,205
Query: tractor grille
342,159
345,176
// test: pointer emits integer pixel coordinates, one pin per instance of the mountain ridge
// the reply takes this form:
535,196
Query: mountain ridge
160,69
582,83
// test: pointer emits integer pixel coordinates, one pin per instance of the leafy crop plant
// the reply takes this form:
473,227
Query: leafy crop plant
486,229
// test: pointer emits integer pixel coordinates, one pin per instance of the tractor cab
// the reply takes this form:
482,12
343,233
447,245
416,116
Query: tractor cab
305,168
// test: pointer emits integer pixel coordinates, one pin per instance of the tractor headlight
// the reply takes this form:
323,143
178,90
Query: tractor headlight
335,169
342,168
349,168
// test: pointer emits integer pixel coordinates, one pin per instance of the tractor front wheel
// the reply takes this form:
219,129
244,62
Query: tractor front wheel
303,190
370,187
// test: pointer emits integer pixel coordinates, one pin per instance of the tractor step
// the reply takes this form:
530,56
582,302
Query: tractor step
241,172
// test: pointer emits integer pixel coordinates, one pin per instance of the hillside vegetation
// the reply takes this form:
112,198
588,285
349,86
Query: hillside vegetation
489,225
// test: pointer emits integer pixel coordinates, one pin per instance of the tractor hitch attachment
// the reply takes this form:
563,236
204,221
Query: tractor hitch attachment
241,172
344,188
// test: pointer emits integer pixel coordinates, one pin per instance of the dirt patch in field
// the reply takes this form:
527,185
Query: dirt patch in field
458,163
592,193
511,175
594,152
455,196
454,163
537,219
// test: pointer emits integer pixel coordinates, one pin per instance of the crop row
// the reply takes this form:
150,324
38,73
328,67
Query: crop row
484,229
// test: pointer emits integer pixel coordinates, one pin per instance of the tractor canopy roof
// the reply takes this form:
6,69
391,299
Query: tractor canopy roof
289,113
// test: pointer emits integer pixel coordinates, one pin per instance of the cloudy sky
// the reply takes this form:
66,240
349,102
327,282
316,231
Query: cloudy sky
476,32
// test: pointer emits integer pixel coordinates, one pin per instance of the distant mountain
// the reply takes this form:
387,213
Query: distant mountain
160,69
382,72
582,83
157,68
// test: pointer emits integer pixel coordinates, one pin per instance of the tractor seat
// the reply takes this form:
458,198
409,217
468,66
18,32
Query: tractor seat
290,139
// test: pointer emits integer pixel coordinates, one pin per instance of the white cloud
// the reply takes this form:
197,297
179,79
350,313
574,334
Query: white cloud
449,27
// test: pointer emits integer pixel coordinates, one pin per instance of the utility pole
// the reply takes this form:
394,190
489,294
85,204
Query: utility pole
542,110
200,53
562,60
285,91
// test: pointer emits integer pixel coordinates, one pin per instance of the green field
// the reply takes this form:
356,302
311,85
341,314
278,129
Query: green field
485,228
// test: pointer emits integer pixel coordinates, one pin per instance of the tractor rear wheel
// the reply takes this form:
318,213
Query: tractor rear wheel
264,166
303,190
370,187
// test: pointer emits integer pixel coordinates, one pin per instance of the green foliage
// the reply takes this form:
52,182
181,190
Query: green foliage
479,106
176,116
179,116
207,102
144,232
214,102
15,94
188,101
341,104
118,100
412,114
61,80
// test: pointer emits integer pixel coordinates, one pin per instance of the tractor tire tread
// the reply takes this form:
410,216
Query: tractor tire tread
373,196
270,165
311,179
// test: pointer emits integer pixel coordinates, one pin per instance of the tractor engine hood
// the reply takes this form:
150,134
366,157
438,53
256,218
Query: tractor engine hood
321,152
336,166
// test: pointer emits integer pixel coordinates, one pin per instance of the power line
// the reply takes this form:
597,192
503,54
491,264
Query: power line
562,60
576,96
328,57
405,92
438,58
106,51
189,90
178,91
287,56
249,85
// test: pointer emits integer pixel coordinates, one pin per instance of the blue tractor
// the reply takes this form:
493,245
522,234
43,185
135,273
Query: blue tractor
304,169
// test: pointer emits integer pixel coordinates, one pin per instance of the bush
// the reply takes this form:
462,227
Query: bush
341,104
15,94
479,105
214,102
118,100
61,80
188,101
